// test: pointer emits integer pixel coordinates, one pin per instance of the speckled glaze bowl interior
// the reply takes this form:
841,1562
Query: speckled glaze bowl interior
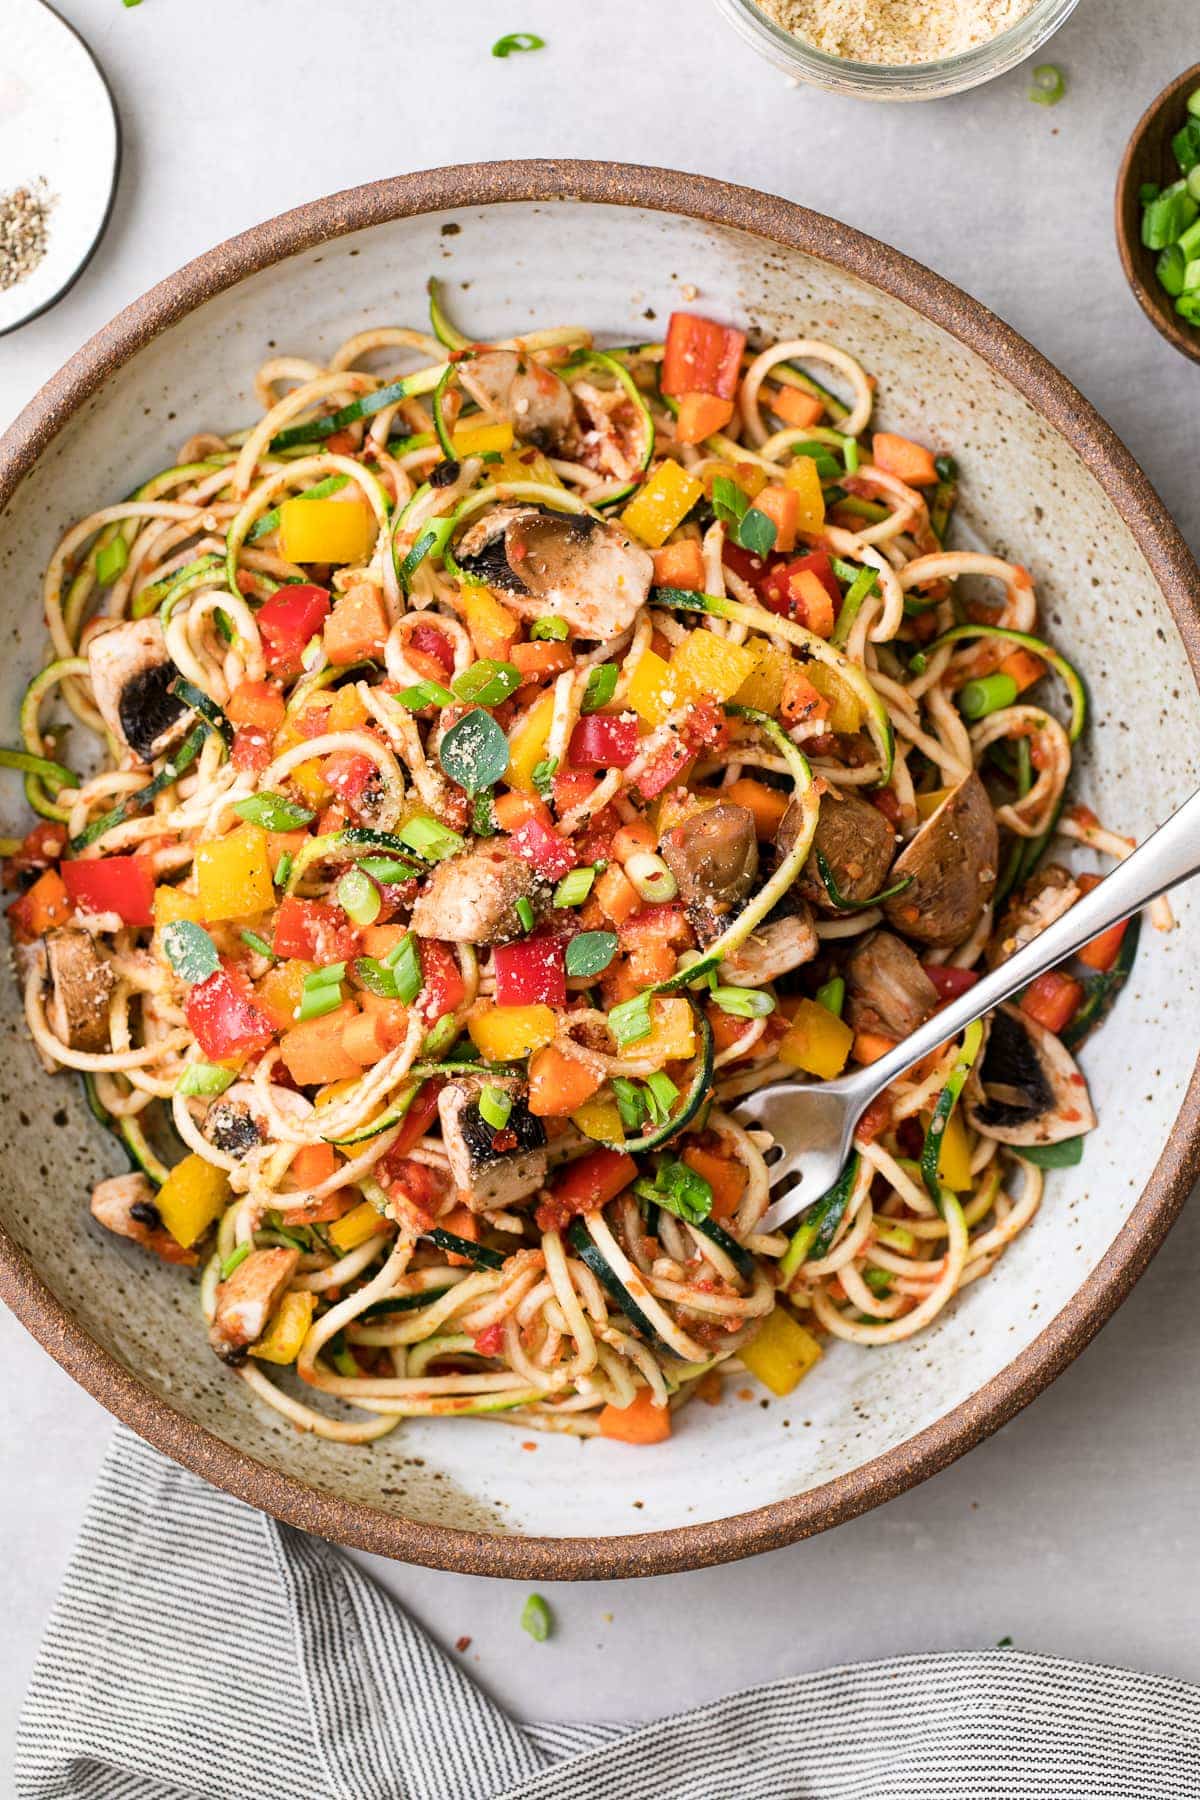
1044,482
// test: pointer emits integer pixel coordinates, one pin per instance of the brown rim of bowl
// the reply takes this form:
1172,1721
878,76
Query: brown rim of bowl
1144,160
776,222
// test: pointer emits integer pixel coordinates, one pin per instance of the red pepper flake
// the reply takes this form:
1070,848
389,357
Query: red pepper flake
462,1643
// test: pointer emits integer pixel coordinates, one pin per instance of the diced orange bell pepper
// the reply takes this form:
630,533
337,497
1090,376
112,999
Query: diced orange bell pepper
680,565
257,703
464,1224
357,628
1023,667
801,701
700,415
768,805
313,1051
869,1046
313,1164
616,894
641,1422
511,811
45,905
816,606
537,661
348,713
899,456
1104,950
782,507
794,406
725,1177
1052,1000
559,1084
492,627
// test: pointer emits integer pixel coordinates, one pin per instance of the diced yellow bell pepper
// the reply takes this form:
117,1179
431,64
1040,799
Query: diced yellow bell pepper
600,1119
803,479
327,531
927,804
708,667
954,1157
171,903
284,1337
782,1353
524,465
817,1042
662,503
527,746
348,712
676,805
234,875
653,691
307,779
763,686
845,708
483,440
506,1033
281,990
333,1092
354,1228
672,1033
192,1198
747,476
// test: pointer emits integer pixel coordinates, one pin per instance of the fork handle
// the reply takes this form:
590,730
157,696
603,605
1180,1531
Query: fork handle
1171,855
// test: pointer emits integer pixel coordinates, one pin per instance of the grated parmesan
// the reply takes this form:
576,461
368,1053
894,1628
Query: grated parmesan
896,31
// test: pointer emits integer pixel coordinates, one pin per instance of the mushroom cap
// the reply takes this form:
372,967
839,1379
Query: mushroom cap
586,571
857,843
1026,1087
532,398
81,985
952,861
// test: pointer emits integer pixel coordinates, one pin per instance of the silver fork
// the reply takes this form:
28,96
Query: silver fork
815,1122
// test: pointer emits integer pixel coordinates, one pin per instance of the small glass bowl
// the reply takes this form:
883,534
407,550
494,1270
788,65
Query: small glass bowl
896,81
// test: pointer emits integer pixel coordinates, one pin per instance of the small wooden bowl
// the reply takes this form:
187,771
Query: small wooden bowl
1148,158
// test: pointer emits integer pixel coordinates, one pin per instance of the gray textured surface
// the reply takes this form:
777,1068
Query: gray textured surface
1071,1531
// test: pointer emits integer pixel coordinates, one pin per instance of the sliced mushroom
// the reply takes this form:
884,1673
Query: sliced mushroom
952,861
131,674
485,1176
1045,897
530,397
713,856
1026,1088
887,989
584,570
772,949
856,841
231,1127
472,899
247,1299
125,1205
81,985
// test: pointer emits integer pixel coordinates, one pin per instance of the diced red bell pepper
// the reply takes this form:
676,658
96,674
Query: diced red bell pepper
222,1018
417,1120
314,931
442,988
550,854
113,884
287,621
950,983
701,357
1104,950
253,748
530,972
775,589
604,742
664,768
427,640
1052,1000
586,1186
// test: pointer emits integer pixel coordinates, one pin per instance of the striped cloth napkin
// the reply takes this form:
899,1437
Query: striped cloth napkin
200,1651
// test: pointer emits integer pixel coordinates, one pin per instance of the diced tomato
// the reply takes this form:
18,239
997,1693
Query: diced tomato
420,1185
1104,950
887,801
664,768
701,357
429,641
705,727
604,742
315,931
253,748
349,774
950,983
41,847
585,1186
490,1341
550,854
113,884
443,988
258,703
651,937
1052,1000
875,1119
782,591
595,842
287,621
223,1020
572,787
530,972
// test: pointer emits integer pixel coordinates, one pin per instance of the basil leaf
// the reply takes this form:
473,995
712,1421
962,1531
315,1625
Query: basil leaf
757,533
1063,1155
190,951
590,952
601,686
474,752
274,812
487,683
728,501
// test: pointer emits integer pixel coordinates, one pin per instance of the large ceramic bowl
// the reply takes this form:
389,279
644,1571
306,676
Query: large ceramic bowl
1045,481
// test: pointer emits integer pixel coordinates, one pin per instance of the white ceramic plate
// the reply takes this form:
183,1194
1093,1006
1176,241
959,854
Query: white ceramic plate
58,123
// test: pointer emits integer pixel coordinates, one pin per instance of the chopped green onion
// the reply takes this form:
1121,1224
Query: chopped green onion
536,1617
832,996
487,683
430,838
1149,190
663,1095
590,953
236,1257
201,1078
1166,219
111,560
403,961
553,629
987,694
274,812
1048,85
425,693
850,455
524,912
283,869
744,1003
543,776
358,897
575,887
680,1189
257,943
1193,103
322,992
387,870
1188,307
600,688
190,951
631,1102
630,1021
495,1105
505,46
